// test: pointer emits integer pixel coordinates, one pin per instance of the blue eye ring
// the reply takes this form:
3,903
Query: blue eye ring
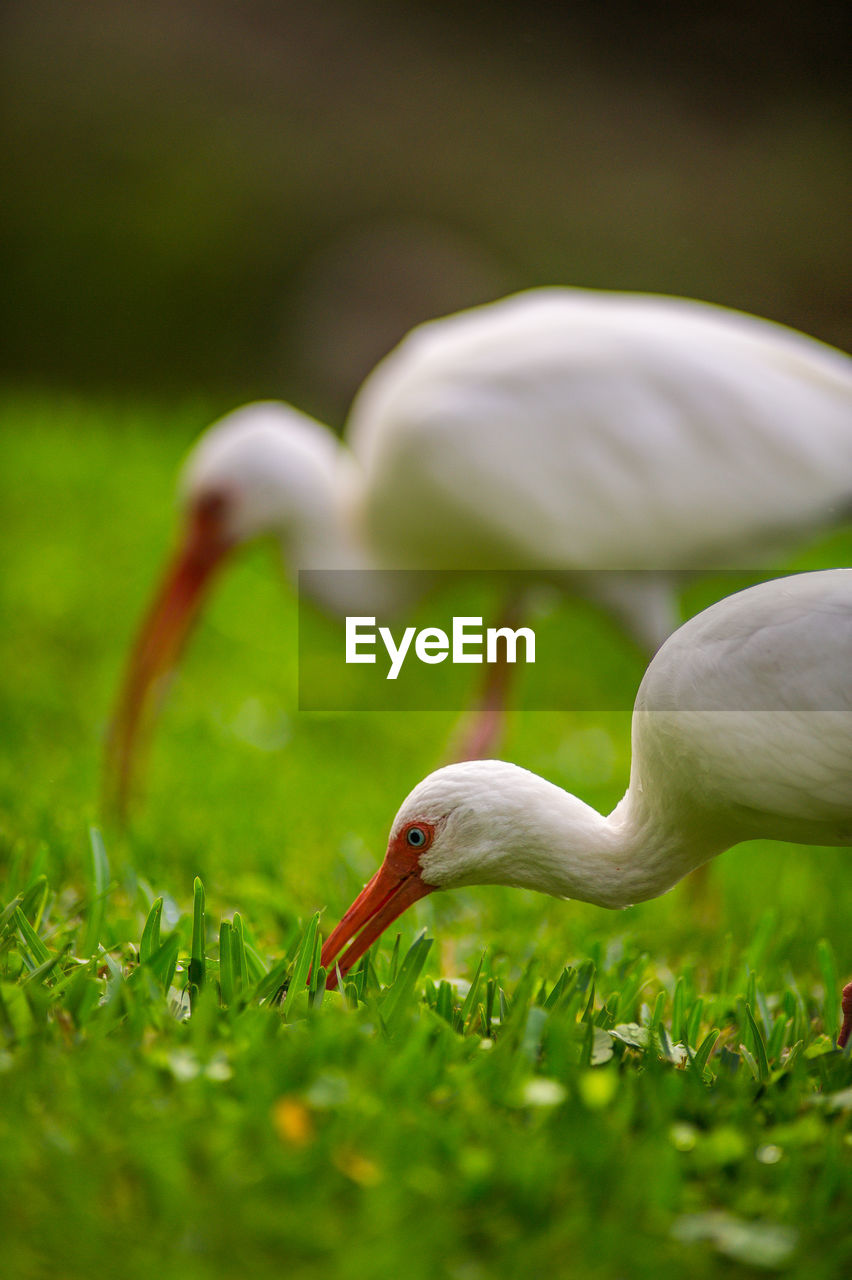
416,837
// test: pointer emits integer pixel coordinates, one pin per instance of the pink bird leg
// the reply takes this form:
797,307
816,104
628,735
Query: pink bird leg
481,739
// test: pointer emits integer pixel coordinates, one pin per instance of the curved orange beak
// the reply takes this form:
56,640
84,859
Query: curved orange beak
396,884
158,645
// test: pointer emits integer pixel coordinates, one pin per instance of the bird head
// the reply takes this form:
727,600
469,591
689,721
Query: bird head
273,471
263,470
477,822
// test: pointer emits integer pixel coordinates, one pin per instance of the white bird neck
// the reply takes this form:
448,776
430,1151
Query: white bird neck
648,852
316,515
515,828
345,576
321,528
613,861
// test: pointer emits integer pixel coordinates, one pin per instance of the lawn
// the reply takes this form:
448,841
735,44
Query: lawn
518,1086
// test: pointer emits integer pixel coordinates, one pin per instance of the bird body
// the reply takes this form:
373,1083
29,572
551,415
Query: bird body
742,729
747,711
555,433
568,429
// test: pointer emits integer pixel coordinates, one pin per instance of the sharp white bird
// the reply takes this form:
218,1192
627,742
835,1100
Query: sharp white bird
742,730
554,432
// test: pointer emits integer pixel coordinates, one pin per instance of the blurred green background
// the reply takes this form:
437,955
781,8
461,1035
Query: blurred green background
259,198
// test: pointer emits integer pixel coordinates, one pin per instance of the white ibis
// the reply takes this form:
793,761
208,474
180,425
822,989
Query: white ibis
742,729
553,432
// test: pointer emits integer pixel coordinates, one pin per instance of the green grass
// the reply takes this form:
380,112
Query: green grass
544,1088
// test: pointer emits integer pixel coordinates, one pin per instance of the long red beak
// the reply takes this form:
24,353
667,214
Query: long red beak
393,888
158,646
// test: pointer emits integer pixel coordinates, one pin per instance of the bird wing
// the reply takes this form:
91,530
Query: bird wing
749,706
567,429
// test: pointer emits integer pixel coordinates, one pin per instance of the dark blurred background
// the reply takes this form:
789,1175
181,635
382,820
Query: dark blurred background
259,197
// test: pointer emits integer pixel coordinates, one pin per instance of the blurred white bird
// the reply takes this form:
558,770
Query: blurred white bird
555,432
742,730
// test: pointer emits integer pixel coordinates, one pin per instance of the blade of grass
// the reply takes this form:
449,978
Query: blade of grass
302,963
557,990
238,954
469,1005
749,1059
530,1042
679,1011
255,968
444,1003
778,1037
394,961
164,961
315,962
197,966
272,981
318,989
831,982
762,1009
39,974
97,896
150,940
586,1031
663,1041
82,997
605,1016
15,1014
515,1018
794,1055
569,992
35,900
794,1006
659,1007
490,993
759,1047
37,948
7,919
589,1011
693,1022
226,967
700,1059
395,999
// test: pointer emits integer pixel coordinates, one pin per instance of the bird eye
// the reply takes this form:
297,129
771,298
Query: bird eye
416,837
